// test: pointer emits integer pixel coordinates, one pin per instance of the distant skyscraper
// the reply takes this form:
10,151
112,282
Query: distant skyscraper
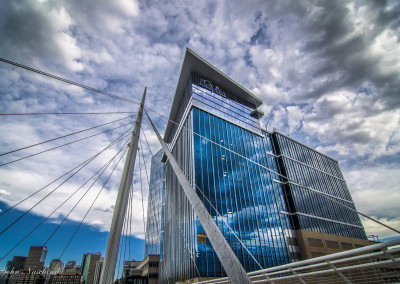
70,264
56,265
17,263
88,266
97,271
36,258
256,185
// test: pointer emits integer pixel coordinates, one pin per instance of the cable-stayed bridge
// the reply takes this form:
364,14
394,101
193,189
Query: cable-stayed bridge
349,267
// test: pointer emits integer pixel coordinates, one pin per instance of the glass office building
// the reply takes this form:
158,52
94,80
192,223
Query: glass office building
242,175
153,237
306,168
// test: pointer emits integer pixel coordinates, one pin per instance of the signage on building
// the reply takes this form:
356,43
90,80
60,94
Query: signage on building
213,88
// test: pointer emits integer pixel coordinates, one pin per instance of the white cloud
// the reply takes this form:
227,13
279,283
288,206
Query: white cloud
327,73
4,192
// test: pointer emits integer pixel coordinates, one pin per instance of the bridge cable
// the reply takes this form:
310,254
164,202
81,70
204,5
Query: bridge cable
19,218
44,220
68,81
126,229
104,168
121,243
91,158
53,139
279,174
94,201
128,213
69,143
141,186
130,225
57,113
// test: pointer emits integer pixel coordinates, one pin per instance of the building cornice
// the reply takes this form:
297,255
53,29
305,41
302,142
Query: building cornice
194,63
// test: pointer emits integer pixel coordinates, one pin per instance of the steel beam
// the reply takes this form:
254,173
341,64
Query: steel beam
110,258
227,257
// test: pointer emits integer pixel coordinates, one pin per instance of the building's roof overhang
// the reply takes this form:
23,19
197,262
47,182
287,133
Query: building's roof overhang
194,63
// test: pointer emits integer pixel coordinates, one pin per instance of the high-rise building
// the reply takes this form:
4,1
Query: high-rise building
97,270
17,263
70,264
56,265
36,258
267,193
314,185
88,266
153,238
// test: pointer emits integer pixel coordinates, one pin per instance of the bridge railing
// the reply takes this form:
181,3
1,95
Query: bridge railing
377,263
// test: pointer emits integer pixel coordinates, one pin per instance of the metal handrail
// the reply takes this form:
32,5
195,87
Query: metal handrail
335,258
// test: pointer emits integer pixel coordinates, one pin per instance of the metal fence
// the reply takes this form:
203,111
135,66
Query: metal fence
377,263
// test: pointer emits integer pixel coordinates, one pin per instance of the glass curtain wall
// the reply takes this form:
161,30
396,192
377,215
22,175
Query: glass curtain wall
234,178
304,168
155,206
179,239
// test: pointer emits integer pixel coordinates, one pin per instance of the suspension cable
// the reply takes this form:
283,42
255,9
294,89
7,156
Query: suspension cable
125,235
43,221
130,225
128,231
141,187
43,142
121,242
69,143
19,218
68,81
94,201
67,113
104,168
88,160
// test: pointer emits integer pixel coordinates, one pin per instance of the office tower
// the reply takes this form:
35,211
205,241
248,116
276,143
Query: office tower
129,266
97,271
36,258
17,263
70,264
56,265
88,266
322,226
155,206
148,268
245,182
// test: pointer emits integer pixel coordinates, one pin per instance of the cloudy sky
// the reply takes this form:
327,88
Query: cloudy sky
327,71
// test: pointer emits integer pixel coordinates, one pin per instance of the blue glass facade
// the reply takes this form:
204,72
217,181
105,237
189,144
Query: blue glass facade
233,177
154,224
307,169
